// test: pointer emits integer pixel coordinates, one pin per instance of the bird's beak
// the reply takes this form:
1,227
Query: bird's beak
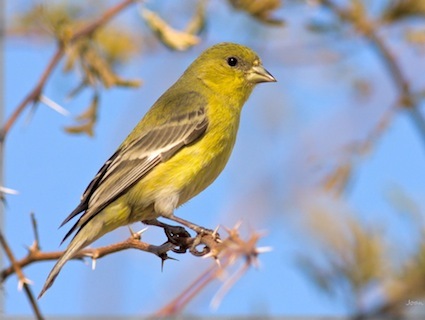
259,74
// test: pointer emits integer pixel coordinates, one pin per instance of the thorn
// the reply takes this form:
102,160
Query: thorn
36,244
8,191
34,247
227,285
137,235
213,254
53,105
31,113
171,258
237,225
255,262
209,255
164,257
89,254
261,233
22,282
263,249
215,235
227,229
140,232
217,261
215,232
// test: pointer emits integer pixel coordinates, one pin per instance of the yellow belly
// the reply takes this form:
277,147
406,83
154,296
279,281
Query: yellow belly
186,174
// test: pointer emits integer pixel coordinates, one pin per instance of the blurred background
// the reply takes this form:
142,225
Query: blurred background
329,164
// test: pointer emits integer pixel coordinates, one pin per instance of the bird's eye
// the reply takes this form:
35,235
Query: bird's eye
232,61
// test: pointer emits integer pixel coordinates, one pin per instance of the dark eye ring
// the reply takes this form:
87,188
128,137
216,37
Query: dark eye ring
232,61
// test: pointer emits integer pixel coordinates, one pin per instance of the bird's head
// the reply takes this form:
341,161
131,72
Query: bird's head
229,68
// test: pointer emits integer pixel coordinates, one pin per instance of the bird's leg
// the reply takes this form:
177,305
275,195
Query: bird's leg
190,225
175,234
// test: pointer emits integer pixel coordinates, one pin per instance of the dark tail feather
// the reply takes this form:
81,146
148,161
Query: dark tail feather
76,245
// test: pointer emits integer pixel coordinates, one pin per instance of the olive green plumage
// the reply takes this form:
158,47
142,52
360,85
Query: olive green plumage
179,148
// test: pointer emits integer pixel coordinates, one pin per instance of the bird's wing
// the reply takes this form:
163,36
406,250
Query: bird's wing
131,163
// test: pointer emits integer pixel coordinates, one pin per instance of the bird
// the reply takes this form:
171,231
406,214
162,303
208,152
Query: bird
177,150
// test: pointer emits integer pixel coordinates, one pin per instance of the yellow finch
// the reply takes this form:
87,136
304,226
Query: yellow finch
177,150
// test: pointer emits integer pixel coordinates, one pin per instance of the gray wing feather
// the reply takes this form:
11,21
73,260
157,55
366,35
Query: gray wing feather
143,155
131,163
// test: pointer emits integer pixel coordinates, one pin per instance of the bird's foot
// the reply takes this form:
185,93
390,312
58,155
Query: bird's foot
200,231
199,245
179,237
176,235
183,242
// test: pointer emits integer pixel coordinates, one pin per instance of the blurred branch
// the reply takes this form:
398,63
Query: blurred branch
102,20
24,282
355,254
260,10
231,250
355,15
85,31
33,96
406,97
172,38
225,251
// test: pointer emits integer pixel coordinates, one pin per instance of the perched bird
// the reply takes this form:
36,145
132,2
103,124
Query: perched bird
178,149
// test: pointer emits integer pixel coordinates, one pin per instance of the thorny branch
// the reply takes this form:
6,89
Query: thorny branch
24,282
225,252
35,254
33,97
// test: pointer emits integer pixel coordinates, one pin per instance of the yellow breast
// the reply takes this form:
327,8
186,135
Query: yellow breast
194,167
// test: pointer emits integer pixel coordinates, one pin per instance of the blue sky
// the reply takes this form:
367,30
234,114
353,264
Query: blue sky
308,112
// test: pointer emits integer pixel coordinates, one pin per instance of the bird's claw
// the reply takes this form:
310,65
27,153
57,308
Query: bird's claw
179,237
179,249
183,242
175,234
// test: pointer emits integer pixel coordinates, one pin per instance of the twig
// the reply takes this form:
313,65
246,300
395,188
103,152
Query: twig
35,230
22,280
34,94
176,305
107,15
225,252
35,255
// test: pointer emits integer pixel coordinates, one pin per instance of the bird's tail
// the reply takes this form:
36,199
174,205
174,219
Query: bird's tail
80,241
109,219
